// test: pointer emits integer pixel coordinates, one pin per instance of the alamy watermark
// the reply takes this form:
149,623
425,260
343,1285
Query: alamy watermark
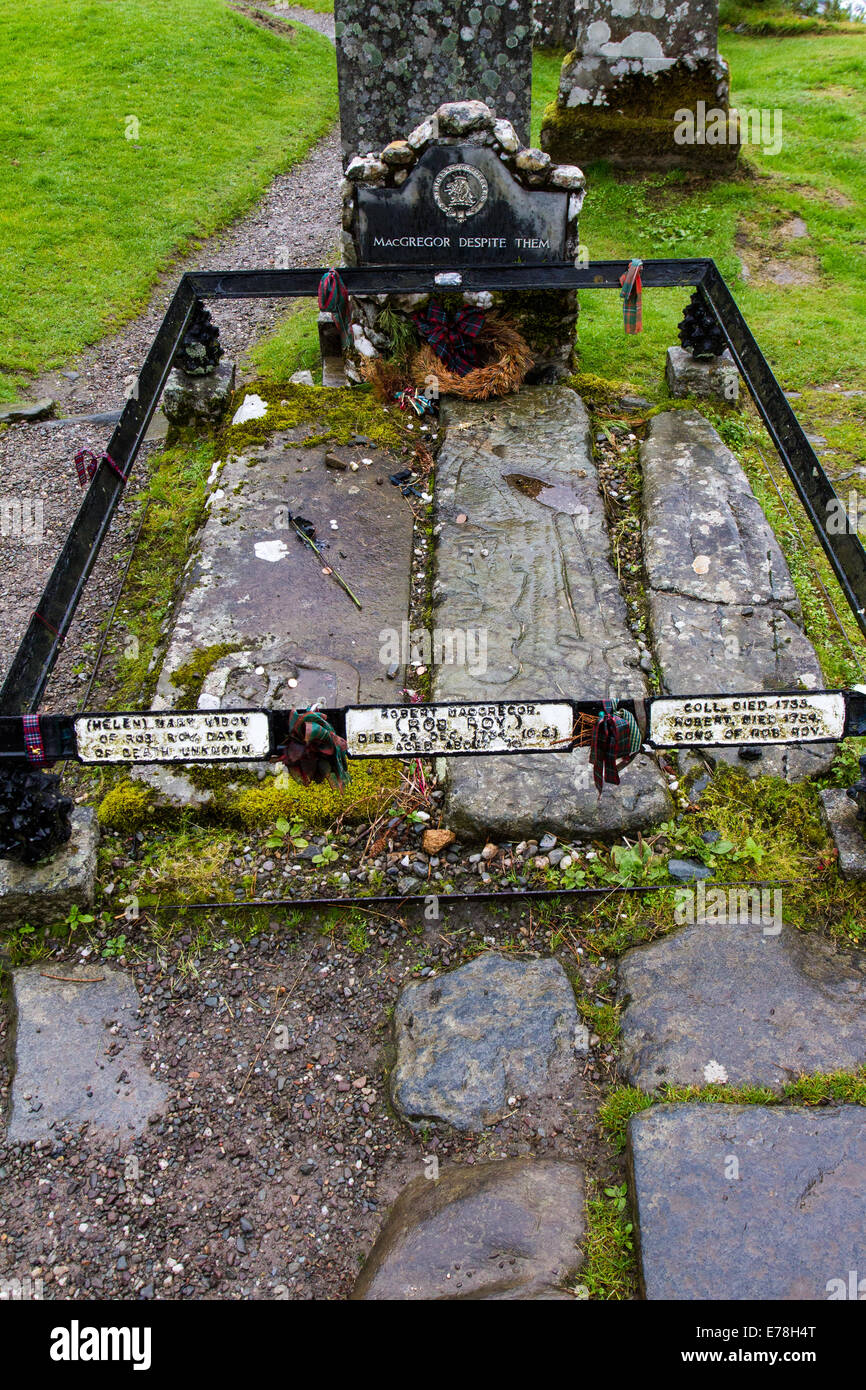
730,907
22,519
719,127
444,646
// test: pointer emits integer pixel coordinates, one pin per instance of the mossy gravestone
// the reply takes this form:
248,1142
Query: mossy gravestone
644,88
396,63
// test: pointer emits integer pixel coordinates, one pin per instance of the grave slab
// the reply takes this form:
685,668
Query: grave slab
257,610
723,609
77,1057
468,1040
482,1231
746,1202
529,567
43,894
759,1003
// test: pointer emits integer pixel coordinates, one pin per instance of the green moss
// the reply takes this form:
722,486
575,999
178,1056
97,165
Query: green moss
189,678
643,140
126,808
371,787
335,416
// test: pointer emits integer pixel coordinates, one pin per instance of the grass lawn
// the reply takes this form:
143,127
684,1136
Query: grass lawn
89,217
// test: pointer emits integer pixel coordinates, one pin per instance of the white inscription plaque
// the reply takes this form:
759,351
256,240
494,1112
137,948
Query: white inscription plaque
167,738
516,726
743,719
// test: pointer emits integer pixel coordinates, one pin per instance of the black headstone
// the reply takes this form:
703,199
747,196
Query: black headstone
461,206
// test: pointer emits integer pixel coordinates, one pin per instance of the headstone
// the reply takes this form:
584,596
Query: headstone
396,64
481,1231
636,66
739,995
459,190
554,23
748,1202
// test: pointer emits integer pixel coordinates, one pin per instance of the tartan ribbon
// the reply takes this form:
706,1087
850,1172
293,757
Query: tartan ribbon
616,739
86,463
33,744
313,750
411,399
334,300
451,340
630,294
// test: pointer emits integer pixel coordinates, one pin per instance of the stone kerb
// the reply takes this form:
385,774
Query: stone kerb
548,322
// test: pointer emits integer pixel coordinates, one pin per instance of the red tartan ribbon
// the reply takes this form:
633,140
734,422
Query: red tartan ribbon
33,739
87,463
615,741
451,340
630,294
334,300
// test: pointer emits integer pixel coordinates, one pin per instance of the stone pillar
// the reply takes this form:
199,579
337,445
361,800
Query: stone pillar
554,23
644,88
399,208
397,62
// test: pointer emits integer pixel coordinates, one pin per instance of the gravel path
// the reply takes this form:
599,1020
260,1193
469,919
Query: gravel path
279,1155
300,211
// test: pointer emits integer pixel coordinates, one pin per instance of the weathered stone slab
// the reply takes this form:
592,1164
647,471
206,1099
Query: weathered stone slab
723,608
77,1059
840,814
392,74
745,1202
530,567
43,894
715,377
494,1028
487,1231
756,999
267,626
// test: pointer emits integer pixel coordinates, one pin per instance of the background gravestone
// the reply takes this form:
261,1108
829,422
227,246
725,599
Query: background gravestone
554,23
635,64
396,63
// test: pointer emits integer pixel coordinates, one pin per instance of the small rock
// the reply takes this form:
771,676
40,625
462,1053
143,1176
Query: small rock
686,869
434,841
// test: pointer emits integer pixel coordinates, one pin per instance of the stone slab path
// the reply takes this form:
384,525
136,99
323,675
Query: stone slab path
530,564
748,1202
490,1231
471,1042
77,1059
762,1004
723,608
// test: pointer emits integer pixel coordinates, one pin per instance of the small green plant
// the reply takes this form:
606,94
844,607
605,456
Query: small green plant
609,1270
326,855
114,946
283,829
77,918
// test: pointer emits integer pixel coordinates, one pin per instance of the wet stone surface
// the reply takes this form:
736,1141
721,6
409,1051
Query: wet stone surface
470,1042
492,1231
723,608
77,1062
759,1002
745,1202
530,567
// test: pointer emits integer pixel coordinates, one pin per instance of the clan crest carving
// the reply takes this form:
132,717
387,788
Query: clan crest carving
460,191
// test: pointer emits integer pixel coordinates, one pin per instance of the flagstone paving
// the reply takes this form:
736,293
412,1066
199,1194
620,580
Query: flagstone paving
530,566
724,612
77,1061
749,1004
748,1202
490,1231
471,1042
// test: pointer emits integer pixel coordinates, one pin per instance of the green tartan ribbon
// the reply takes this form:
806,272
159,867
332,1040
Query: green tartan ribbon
334,300
630,294
313,750
616,739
